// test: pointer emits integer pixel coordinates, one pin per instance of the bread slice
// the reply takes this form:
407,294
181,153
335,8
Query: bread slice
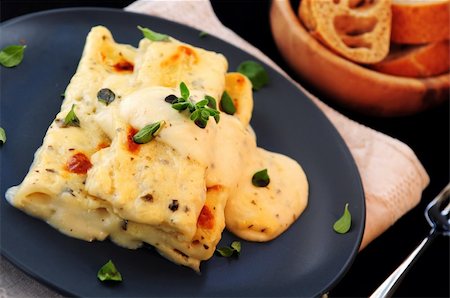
420,21
417,61
359,30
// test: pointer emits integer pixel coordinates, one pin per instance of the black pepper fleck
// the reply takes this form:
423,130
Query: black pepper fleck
124,225
147,198
174,205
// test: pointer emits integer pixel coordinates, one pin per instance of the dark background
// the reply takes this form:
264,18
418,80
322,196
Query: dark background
426,133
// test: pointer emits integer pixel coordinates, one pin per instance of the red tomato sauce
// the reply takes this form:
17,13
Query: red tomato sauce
131,145
124,66
78,164
206,218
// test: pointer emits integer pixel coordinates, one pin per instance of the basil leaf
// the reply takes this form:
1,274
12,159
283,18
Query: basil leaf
109,272
184,91
11,56
2,135
255,72
202,34
343,224
226,104
147,133
152,35
106,96
71,118
261,178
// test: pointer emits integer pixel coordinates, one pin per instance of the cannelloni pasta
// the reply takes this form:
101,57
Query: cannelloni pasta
177,190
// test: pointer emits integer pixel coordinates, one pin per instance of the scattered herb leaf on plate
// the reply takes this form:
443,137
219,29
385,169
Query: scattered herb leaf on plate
2,135
343,224
255,72
152,35
11,56
109,272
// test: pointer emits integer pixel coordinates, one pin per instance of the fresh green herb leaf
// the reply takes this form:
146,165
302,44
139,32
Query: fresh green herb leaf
343,224
172,98
180,106
147,133
211,102
63,95
255,72
202,103
71,118
261,178
228,251
106,96
200,122
109,272
226,104
184,91
200,112
152,35
11,56
204,114
2,135
236,245
195,115
202,34
225,251
217,117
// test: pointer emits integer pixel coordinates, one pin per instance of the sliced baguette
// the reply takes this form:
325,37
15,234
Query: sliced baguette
357,30
420,21
419,61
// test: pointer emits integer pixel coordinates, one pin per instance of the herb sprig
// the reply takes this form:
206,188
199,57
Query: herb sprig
200,111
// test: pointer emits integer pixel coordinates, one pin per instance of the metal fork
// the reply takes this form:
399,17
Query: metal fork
437,215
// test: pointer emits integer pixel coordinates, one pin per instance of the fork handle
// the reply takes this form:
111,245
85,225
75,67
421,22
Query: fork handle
387,288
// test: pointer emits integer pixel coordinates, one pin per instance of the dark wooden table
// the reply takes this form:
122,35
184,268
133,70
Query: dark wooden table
426,133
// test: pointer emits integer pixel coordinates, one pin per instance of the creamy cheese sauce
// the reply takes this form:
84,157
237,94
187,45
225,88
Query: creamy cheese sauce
93,182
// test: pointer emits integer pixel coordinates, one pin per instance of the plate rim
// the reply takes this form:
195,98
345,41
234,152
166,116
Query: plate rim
339,139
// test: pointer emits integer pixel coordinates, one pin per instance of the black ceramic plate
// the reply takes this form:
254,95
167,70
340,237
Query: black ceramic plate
307,260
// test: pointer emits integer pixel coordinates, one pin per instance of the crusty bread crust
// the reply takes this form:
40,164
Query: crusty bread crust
348,83
420,21
357,30
418,61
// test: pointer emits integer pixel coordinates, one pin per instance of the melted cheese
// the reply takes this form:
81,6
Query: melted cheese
176,192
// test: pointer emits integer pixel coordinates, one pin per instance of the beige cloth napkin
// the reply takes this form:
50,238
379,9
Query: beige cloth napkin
392,176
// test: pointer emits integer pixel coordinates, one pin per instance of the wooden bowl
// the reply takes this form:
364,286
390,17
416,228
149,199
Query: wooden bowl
348,83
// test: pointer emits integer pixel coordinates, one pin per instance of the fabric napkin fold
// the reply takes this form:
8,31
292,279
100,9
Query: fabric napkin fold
392,176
